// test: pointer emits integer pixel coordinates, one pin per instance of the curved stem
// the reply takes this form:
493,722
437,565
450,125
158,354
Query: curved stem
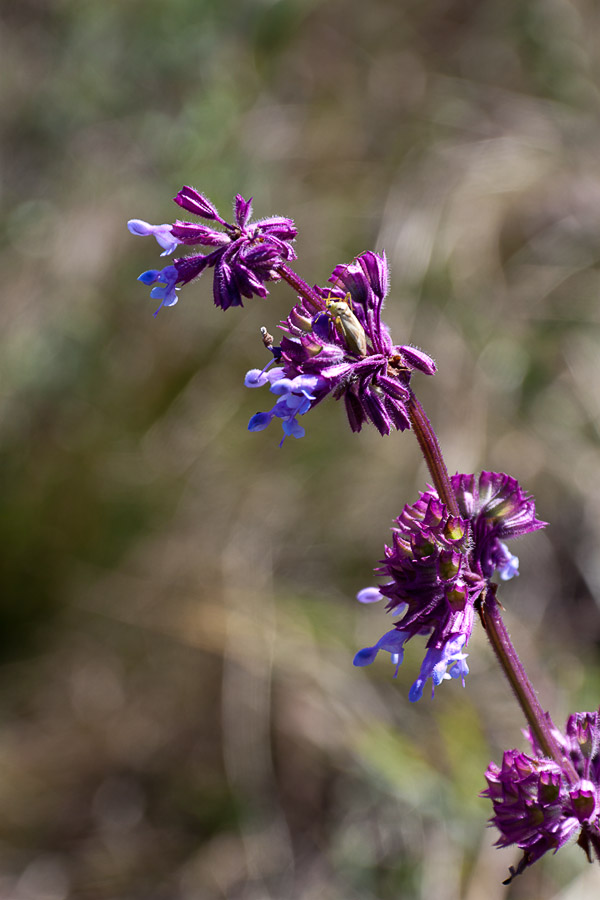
540,723
432,453
301,287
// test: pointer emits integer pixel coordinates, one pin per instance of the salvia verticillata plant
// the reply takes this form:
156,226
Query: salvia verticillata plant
446,548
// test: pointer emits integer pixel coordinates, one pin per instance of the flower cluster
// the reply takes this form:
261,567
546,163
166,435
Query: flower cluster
539,805
498,509
439,565
296,396
446,547
245,256
339,345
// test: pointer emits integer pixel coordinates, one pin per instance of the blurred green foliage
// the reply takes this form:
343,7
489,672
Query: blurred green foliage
180,714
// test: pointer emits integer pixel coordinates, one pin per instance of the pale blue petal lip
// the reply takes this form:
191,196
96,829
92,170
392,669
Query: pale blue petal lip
162,233
369,595
259,377
139,227
308,385
275,374
511,564
282,386
256,378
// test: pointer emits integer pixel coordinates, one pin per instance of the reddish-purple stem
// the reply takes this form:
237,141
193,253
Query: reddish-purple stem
540,723
308,294
430,448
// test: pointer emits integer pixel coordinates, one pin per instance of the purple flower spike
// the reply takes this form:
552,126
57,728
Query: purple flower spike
244,255
432,587
438,565
346,343
529,795
537,803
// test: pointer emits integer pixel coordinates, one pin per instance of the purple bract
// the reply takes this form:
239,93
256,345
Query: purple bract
498,509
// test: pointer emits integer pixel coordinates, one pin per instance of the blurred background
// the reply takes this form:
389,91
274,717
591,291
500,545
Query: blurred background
180,718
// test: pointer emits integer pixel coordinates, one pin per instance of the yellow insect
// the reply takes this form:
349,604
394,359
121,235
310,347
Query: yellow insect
347,325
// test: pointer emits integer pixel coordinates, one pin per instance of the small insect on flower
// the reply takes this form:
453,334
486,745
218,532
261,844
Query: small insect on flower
267,339
347,325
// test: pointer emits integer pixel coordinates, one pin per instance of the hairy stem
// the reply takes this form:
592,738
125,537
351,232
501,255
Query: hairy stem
301,287
540,723
432,453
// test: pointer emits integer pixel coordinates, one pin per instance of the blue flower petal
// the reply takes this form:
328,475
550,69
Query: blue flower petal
149,277
369,595
392,641
292,428
259,421
365,656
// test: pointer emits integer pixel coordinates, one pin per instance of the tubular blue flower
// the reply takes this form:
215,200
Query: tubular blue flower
164,281
432,587
438,566
245,255
441,664
537,804
344,342
295,397
393,641
162,233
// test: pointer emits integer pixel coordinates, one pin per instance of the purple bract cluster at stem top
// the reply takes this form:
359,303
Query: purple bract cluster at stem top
245,255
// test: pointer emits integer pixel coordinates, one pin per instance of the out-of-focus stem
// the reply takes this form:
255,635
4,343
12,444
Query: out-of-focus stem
540,723
301,287
432,453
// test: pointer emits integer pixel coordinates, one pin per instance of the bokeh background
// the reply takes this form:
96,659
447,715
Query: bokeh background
180,719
